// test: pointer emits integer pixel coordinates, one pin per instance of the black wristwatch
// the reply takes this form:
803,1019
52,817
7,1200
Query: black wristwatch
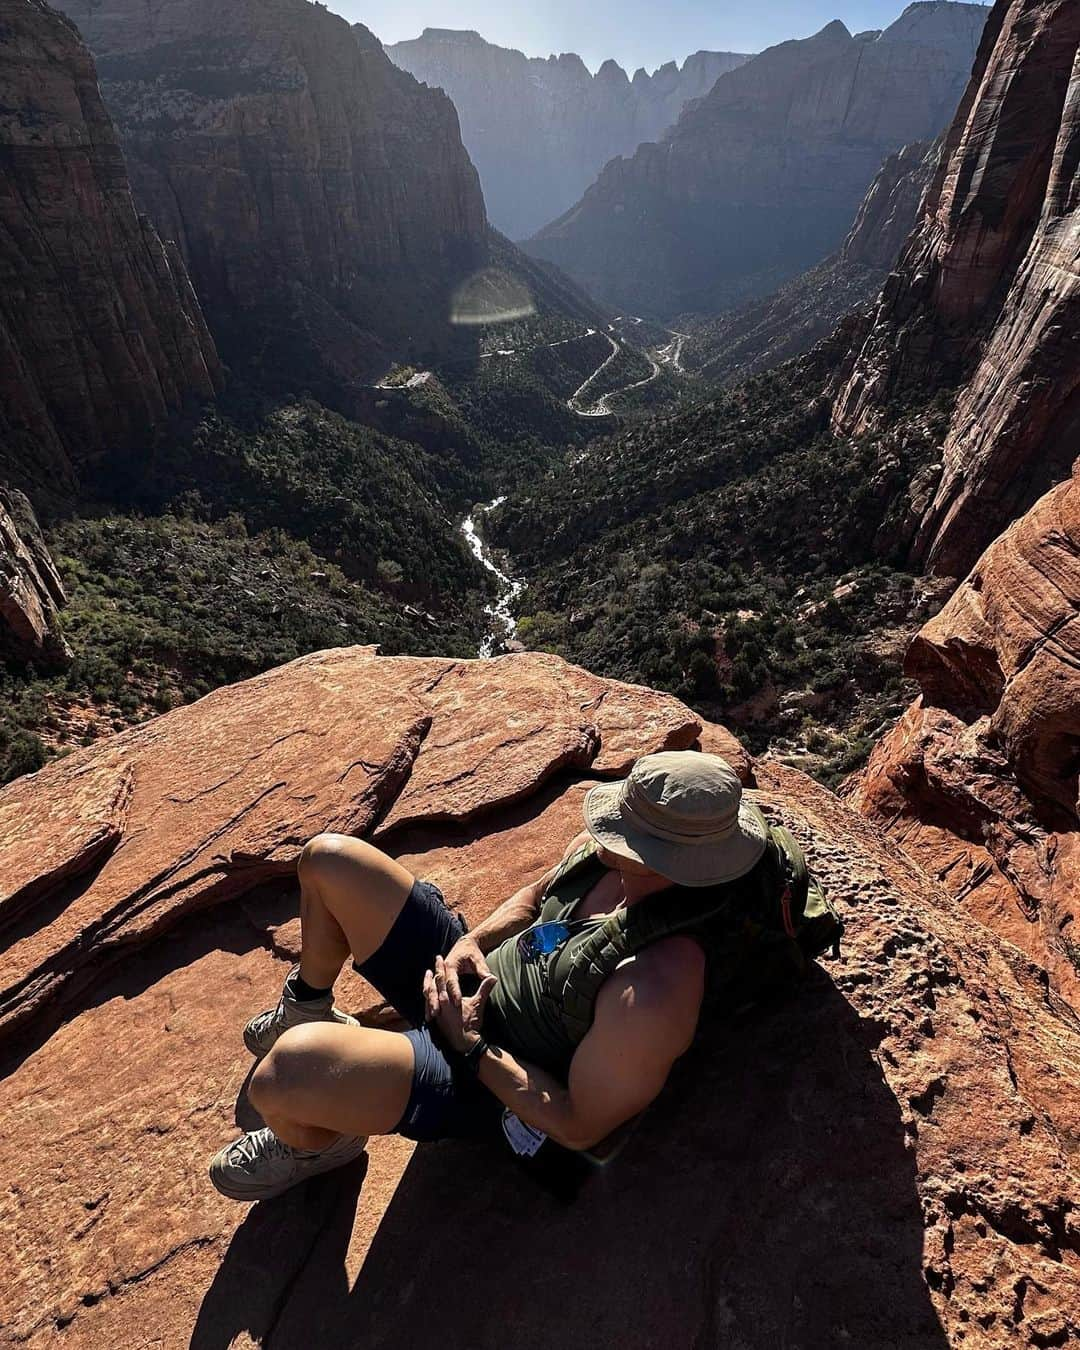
472,1057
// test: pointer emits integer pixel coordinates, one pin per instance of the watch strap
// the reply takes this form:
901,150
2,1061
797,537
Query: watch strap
472,1057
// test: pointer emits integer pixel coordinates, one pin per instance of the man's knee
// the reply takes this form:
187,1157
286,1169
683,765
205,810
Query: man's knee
285,1073
351,876
327,854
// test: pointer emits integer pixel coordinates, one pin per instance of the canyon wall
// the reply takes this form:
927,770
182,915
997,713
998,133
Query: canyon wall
31,592
101,337
761,179
321,197
979,779
762,334
539,131
987,294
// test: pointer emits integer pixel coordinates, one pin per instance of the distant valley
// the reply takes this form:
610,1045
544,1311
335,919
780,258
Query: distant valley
760,179
394,442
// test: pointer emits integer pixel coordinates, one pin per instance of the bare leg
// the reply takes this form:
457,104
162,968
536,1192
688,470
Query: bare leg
323,1080
350,894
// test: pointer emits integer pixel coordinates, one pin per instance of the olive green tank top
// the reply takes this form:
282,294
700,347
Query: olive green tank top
521,1015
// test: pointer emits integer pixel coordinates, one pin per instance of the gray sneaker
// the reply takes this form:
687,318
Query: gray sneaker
262,1031
258,1166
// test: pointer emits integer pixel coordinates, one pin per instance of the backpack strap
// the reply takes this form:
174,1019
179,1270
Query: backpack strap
771,899
571,863
794,879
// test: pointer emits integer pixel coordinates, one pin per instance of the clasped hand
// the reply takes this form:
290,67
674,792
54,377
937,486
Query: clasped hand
458,1017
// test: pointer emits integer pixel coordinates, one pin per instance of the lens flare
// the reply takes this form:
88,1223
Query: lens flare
491,296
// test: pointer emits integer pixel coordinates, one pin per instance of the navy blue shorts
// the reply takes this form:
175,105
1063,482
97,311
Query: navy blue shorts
445,1102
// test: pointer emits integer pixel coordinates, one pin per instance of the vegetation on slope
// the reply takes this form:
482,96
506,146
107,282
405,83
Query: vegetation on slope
262,533
163,609
740,556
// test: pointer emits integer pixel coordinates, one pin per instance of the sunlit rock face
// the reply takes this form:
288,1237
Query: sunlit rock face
979,779
987,294
31,592
920,1094
761,179
539,131
322,198
101,337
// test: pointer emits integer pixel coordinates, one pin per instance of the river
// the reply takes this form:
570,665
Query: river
503,624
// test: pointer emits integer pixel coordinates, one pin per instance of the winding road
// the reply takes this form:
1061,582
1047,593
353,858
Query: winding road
669,355
503,624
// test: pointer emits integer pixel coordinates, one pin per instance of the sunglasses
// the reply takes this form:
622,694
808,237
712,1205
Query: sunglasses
544,938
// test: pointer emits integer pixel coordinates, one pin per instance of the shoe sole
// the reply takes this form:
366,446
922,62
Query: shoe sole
253,1194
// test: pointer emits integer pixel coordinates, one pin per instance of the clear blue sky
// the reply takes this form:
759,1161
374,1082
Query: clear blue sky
635,32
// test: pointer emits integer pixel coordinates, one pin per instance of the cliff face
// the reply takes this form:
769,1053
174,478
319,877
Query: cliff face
321,197
763,333
31,592
921,1094
539,131
761,179
979,780
988,292
101,336
890,208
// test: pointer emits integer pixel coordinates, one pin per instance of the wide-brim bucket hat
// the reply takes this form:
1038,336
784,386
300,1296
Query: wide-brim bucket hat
683,814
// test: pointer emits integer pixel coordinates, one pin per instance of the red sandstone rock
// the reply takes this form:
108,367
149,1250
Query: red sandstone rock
914,1114
30,588
101,337
339,741
987,289
979,780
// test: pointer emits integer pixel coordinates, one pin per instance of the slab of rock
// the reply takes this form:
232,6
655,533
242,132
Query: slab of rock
110,847
913,1114
979,780
31,592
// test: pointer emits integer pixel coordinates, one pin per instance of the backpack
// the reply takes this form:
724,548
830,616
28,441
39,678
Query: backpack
760,933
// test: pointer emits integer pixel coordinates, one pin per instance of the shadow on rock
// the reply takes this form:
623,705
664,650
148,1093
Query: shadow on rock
269,1251
767,1200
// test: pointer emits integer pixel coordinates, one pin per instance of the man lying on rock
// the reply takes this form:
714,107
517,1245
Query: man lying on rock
564,1011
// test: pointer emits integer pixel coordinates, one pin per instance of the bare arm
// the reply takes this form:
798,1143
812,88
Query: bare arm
646,1015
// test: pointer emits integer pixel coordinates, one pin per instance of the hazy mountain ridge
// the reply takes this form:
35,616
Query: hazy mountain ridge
761,179
539,130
